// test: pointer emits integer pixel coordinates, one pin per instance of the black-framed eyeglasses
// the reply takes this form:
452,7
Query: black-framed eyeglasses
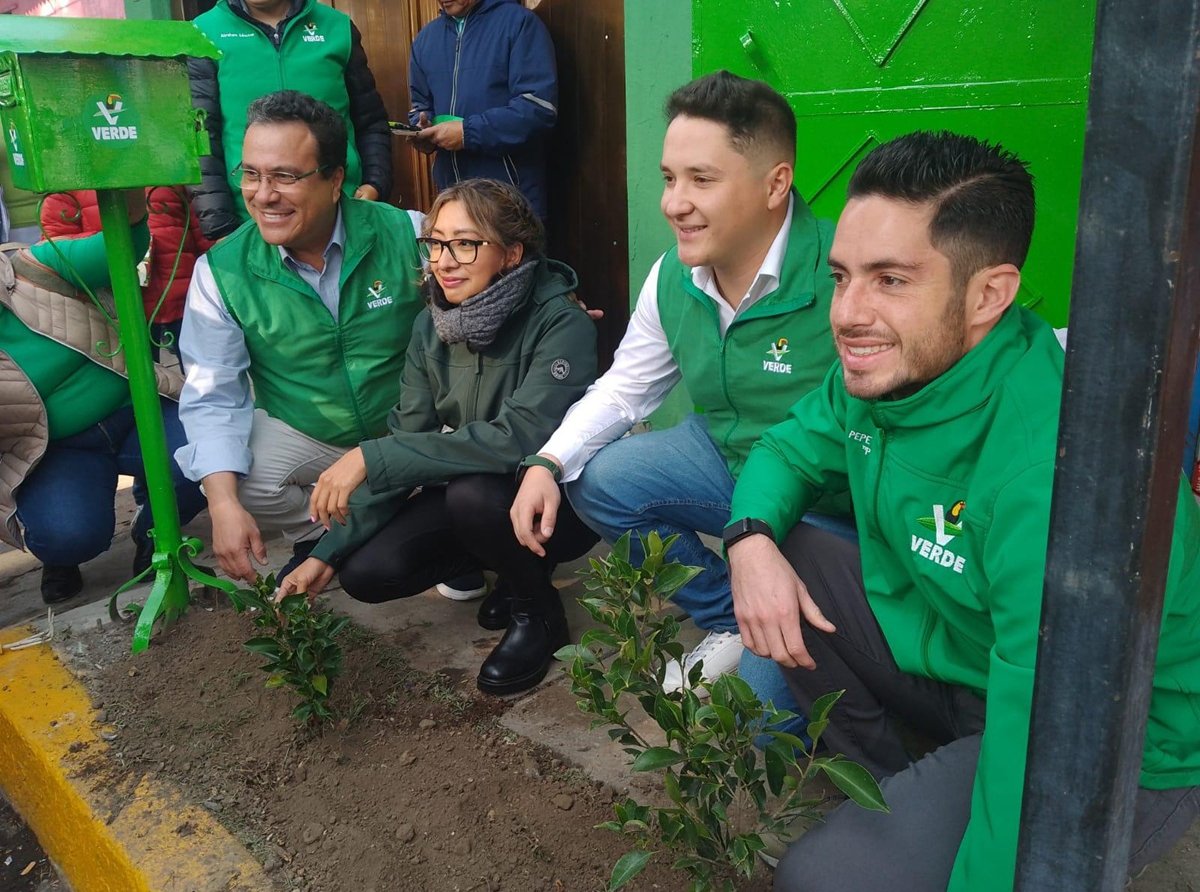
277,179
463,250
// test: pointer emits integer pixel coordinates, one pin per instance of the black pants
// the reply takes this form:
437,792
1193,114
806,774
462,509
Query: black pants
446,531
914,846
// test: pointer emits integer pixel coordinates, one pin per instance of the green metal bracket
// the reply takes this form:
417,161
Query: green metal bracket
164,566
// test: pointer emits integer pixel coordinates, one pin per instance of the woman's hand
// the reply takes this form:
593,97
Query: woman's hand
310,577
331,495
367,192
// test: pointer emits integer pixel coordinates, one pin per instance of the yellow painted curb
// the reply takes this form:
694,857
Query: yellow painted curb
136,836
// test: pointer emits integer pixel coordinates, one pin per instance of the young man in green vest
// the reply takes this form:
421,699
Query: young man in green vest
941,419
269,45
313,301
737,311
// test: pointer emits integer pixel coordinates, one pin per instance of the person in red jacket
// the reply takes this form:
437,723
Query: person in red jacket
172,224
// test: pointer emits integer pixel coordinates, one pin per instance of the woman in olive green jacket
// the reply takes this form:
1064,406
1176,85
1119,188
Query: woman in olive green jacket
496,359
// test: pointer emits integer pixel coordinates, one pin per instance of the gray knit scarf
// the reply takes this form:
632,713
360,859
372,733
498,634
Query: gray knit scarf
477,319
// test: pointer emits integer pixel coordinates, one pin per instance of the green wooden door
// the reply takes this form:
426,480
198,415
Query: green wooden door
858,72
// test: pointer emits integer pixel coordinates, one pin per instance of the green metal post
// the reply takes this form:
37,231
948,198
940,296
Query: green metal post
169,594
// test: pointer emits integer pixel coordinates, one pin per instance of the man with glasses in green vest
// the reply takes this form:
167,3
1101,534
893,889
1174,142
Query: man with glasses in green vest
313,302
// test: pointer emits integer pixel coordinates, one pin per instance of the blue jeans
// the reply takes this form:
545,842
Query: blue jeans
676,481
66,504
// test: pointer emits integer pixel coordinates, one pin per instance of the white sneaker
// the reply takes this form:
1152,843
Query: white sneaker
467,587
719,653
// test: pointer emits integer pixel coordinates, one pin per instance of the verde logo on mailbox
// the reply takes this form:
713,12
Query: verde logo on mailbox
111,110
18,157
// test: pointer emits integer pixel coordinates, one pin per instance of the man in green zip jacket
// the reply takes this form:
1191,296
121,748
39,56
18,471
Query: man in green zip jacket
313,301
941,420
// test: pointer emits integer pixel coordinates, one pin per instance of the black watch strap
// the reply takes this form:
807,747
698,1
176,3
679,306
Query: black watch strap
747,526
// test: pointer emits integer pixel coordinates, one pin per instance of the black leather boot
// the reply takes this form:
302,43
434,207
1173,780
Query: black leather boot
537,628
496,609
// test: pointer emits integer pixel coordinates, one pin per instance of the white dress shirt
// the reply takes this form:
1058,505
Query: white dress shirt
643,370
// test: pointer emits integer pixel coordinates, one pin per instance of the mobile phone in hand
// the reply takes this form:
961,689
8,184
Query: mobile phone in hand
403,128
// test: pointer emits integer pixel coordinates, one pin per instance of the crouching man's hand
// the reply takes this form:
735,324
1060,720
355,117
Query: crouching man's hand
769,600
235,535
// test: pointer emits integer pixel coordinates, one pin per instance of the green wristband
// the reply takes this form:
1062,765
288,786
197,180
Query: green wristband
541,461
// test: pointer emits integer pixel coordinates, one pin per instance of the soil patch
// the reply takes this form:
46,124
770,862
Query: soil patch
416,788
23,865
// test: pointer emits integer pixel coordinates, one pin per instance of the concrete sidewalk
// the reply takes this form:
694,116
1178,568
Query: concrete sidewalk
439,635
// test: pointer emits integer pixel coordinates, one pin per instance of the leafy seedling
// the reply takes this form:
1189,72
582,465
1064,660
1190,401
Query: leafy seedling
725,794
299,646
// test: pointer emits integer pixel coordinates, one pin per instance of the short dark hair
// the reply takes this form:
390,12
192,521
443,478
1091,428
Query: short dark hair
756,116
982,195
326,125
501,212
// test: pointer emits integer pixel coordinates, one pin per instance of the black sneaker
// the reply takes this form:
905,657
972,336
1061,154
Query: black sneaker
300,553
60,582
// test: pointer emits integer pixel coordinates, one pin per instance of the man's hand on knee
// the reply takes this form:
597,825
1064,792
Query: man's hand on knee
535,509
769,600
235,535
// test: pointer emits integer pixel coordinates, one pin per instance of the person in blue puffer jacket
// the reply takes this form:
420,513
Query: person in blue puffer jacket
484,91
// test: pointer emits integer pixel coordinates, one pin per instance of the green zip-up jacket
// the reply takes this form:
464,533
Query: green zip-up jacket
952,491
333,380
502,403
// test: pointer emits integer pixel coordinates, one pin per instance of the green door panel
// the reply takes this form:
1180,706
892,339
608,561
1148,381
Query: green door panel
859,72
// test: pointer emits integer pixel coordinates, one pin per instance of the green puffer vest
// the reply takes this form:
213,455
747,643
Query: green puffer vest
771,355
312,57
331,380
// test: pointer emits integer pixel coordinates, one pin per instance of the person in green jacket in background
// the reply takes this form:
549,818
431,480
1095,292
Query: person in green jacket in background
270,45
496,359
941,420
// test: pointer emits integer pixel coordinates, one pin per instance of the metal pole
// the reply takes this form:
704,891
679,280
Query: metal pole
1130,358
169,594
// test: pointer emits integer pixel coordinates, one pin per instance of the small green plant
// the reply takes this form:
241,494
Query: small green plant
725,794
299,645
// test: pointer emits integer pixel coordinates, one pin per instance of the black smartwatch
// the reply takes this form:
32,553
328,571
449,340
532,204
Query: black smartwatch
747,526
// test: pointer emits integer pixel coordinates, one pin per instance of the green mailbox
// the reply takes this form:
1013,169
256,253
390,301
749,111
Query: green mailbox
100,103
104,104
